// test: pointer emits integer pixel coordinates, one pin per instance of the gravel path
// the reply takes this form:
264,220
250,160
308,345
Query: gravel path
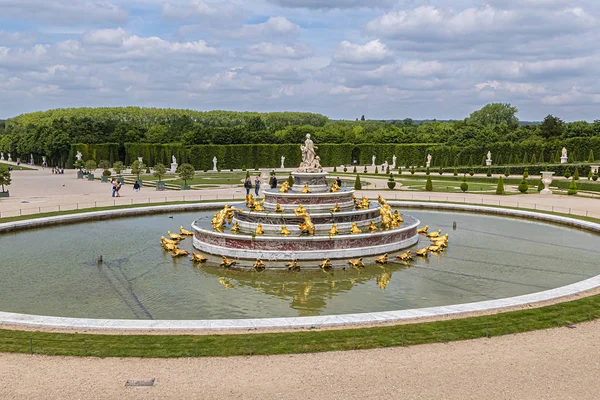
557,363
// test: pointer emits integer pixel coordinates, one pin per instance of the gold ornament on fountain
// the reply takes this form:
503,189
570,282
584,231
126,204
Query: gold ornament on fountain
259,265
259,230
169,246
235,228
300,210
306,189
185,232
385,211
397,217
284,231
334,230
434,234
198,258
284,187
306,226
293,266
336,208
434,249
373,227
365,203
278,208
405,256
355,229
174,236
219,219
180,252
422,252
357,263
326,264
226,262
334,187
357,204
259,205
382,259
423,229
164,240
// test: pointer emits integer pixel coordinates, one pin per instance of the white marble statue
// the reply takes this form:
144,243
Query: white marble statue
428,164
310,161
173,159
489,155
173,164
1,156
393,161
31,162
78,156
564,158
9,157
214,163
282,161
488,160
373,159
141,160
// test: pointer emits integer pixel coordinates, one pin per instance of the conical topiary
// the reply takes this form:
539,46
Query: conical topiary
290,180
354,169
541,186
334,168
387,170
489,171
526,173
376,170
455,171
507,172
399,170
576,174
357,184
441,170
412,170
427,171
500,187
533,160
391,183
429,184
572,187
591,156
590,174
567,173
471,172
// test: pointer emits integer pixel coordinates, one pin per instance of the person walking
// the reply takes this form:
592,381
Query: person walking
256,185
114,187
136,187
248,185
339,181
273,182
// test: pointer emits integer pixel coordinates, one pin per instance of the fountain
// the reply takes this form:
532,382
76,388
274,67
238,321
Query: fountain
310,220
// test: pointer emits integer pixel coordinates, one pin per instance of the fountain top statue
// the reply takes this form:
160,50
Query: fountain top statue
310,160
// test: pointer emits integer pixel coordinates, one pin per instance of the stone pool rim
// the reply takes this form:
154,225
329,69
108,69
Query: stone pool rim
51,322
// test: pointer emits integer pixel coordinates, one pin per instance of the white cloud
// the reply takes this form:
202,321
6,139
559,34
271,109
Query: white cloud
12,38
275,50
371,52
328,4
62,11
274,26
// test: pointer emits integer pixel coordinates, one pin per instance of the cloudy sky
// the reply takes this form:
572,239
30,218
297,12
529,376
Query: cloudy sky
391,59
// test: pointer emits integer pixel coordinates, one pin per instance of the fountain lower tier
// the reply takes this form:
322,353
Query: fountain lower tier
313,202
304,247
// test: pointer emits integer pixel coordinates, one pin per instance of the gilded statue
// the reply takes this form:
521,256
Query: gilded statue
434,234
259,230
385,211
334,187
306,189
278,208
357,204
355,229
185,232
435,249
372,227
357,263
284,231
326,264
169,246
397,217
334,230
259,265
423,229
226,262
300,210
249,200
365,203
225,282
164,240
221,216
336,208
259,206
235,228
284,187
293,266
180,252
306,226
422,252
405,256
198,258
174,236
382,259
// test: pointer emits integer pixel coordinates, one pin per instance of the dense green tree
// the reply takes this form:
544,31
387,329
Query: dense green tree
551,127
159,171
5,178
186,172
496,115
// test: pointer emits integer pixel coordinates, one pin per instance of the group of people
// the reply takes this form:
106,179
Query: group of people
56,170
116,186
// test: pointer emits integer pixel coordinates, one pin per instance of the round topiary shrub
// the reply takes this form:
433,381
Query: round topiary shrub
106,172
595,177
523,186
472,172
507,172
526,173
489,172
345,169
391,183
464,186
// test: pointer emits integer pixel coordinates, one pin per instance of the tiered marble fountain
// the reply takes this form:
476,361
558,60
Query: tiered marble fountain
280,227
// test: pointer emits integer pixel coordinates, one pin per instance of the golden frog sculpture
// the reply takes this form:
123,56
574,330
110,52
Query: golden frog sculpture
226,262
174,236
365,203
336,208
357,263
198,258
382,259
278,208
284,187
235,228
422,252
293,266
300,210
405,256
259,265
326,264
180,252
397,217
259,230
423,230
355,229
306,189
334,230
219,219
284,231
373,227
259,206
334,187
185,232
385,211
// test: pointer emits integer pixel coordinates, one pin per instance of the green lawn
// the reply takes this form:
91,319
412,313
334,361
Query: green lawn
20,167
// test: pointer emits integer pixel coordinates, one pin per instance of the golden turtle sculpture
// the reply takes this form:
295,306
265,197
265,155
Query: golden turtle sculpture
357,263
226,262
293,266
198,258
407,256
259,265
185,232
423,229
382,259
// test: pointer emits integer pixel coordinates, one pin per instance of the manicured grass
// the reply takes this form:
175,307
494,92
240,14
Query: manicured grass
20,167
297,342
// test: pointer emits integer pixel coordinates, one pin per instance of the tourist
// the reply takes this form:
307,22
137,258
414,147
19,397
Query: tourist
114,187
256,185
273,182
338,181
136,187
248,185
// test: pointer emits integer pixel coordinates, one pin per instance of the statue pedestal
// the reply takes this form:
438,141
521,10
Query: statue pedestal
315,180
427,164
564,160
174,167
488,162
546,180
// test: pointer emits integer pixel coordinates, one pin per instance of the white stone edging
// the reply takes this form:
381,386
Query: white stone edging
298,322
